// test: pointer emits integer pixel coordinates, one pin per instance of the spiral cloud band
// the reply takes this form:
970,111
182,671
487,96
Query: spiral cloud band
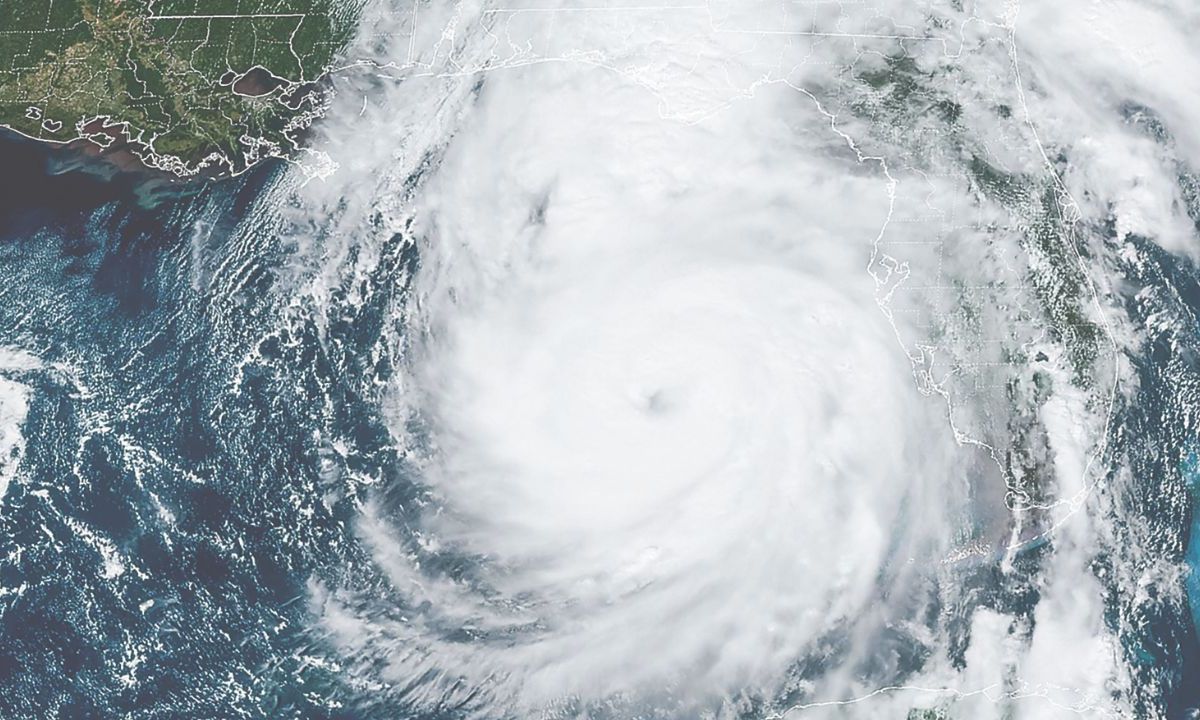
665,421
666,410
749,365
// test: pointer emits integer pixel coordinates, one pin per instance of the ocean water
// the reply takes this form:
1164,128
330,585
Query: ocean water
168,509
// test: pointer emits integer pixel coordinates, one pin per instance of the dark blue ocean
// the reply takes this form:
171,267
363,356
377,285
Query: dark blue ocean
174,496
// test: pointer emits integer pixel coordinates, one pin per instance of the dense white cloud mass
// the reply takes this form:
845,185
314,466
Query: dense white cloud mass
14,406
760,358
665,405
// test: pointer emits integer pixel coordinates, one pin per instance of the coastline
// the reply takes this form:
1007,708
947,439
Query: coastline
54,175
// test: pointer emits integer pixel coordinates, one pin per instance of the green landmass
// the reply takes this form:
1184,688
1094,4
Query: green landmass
187,86
1059,281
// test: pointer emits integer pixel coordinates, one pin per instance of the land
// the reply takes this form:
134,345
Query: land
182,87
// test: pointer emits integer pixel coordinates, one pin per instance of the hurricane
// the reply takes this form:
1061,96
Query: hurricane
684,359
645,396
